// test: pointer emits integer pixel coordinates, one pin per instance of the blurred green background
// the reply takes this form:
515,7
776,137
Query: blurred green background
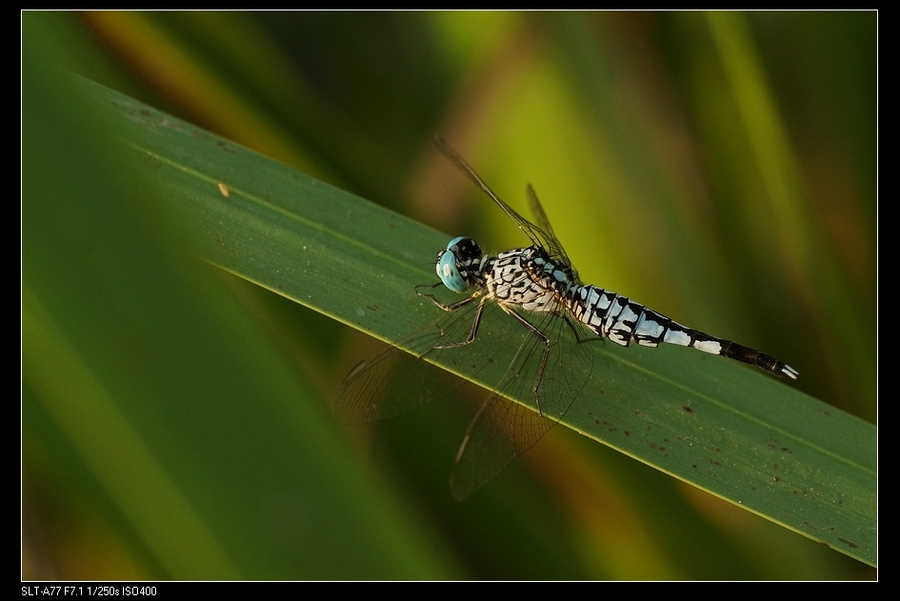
719,167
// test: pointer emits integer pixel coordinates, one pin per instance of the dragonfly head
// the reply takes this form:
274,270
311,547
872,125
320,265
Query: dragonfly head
458,266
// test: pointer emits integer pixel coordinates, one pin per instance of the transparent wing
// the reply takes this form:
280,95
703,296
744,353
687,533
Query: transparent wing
553,245
392,382
503,429
546,373
404,375
401,378
540,236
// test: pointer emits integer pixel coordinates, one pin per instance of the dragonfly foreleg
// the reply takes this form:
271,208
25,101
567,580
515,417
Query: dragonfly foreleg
449,308
475,323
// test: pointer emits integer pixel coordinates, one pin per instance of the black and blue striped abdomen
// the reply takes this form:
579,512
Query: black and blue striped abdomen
624,321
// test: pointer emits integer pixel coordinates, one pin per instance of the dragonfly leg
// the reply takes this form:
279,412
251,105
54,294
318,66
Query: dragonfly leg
545,340
579,333
449,308
475,323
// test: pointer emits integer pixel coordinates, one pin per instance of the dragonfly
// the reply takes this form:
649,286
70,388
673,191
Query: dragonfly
540,316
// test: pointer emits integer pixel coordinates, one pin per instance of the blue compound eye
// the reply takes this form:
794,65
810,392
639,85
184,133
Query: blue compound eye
447,268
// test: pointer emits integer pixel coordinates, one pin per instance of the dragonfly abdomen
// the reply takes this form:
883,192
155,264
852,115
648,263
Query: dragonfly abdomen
624,321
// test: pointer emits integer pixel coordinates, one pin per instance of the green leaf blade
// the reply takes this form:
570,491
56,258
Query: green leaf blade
725,428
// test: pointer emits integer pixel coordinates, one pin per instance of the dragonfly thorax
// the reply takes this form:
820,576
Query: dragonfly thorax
530,279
